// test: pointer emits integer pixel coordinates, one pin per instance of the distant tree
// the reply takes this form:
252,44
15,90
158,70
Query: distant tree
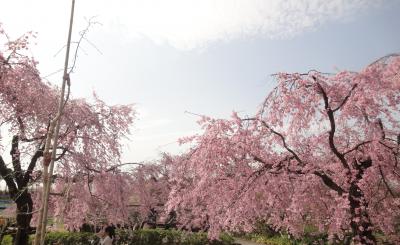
150,189
90,197
323,150
90,133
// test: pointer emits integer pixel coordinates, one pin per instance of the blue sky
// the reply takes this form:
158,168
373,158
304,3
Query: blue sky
207,57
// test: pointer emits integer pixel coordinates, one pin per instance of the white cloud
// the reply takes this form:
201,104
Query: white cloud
194,23
184,24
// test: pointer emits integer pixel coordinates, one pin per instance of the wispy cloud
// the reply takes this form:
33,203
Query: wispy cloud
188,24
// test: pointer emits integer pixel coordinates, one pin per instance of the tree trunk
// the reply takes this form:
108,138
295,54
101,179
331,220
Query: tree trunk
24,216
361,225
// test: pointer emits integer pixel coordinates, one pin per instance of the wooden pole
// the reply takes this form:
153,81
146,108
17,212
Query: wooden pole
48,160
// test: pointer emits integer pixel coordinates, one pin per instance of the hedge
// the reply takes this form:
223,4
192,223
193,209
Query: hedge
169,237
64,238
140,237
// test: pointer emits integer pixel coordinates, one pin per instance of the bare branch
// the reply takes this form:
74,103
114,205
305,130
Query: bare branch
82,34
93,45
194,114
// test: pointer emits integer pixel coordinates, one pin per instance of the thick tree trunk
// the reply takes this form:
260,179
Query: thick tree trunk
361,225
24,216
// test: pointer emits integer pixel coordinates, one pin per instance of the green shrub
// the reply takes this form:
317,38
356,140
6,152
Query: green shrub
140,237
168,237
7,240
70,238
270,240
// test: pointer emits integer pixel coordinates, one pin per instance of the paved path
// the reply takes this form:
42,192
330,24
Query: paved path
245,242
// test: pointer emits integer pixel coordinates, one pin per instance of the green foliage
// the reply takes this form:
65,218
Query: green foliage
169,237
263,228
265,234
270,240
307,239
284,239
70,238
311,235
64,238
175,237
7,240
140,237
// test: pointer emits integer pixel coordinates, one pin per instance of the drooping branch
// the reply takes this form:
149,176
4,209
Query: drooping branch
266,166
113,167
379,201
357,147
391,148
346,98
384,58
56,194
328,181
331,117
123,164
280,136
253,178
381,128
385,182
283,142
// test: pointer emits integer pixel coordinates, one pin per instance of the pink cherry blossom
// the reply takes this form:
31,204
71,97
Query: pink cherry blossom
89,150
323,150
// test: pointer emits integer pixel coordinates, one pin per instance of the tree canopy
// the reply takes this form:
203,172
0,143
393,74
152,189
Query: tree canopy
323,150
89,144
